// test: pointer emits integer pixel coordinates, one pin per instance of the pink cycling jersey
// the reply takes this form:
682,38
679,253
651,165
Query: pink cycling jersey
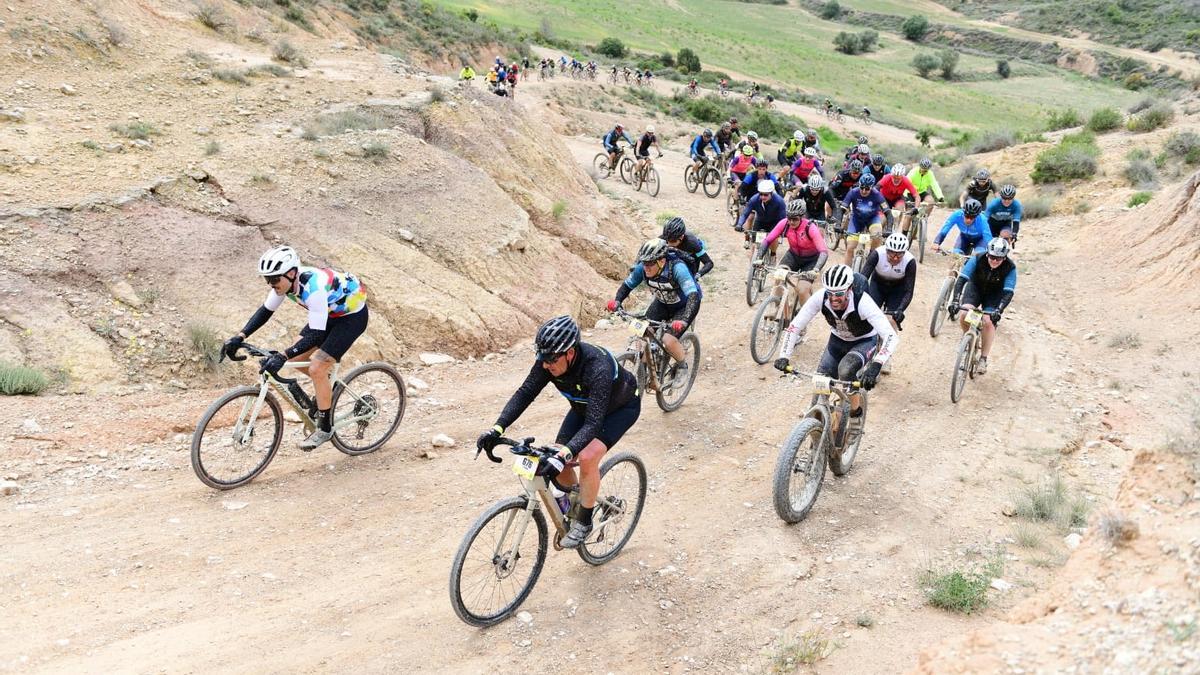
805,240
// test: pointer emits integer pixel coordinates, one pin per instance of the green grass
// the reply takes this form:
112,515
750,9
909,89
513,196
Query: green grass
803,650
1049,501
135,130
1139,198
559,210
1074,157
959,591
206,343
21,381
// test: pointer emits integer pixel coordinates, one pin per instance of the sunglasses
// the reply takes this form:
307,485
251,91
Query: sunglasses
837,294
273,279
552,358
994,258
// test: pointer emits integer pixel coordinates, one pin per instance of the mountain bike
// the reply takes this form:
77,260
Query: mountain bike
860,253
970,348
646,357
497,565
835,231
648,177
776,312
756,275
724,90
612,78
239,434
734,201
601,163
707,175
918,230
692,92
940,308
866,119
816,441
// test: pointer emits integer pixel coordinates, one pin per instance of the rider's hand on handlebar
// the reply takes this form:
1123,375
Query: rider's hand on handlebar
550,466
273,363
230,347
759,262
996,316
953,310
871,376
488,441
782,365
677,327
612,305
898,316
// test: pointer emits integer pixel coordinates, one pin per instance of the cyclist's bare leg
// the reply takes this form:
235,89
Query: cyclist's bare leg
674,348
876,231
988,331
962,317
851,244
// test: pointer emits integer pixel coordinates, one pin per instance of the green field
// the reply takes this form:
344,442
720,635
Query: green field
791,47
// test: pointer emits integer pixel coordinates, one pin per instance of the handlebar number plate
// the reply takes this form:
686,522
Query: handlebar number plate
780,273
974,317
820,385
638,327
525,466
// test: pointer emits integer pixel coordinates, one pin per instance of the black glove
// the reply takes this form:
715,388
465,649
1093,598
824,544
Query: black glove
738,228
550,466
782,365
996,318
488,440
953,309
898,316
230,347
871,375
273,363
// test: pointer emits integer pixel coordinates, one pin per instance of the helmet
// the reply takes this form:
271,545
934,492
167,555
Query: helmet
796,208
725,126
896,242
811,133
926,163
798,135
766,186
810,151
998,248
555,337
674,229
898,169
760,163
866,181
856,165
861,140
747,149
733,120
815,182
652,250
972,207
751,135
649,128
877,160
982,174
864,149
707,133
1008,191
278,261
619,126
838,278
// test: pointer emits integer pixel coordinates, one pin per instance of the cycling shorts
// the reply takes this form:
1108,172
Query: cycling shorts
611,149
615,424
660,311
988,302
643,154
875,226
887,295
976,245
1000,227
341,332
797,263
843,359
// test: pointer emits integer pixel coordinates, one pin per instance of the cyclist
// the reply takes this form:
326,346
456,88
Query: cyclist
763,211
972,231
978,188
988,281
724,138
467,74
604,403
337,316
649,77
846,180
1004,215
791,149
724,85
894,187
864,206
512,80
748,185
692,85
811,140
641,149
637,75
828,107
891,273
806,164
754,92
741,164
806,252
866,112
677,296
690,248
492,76
878,167
700,146
752,141
734,129
926,183
853,151
611,141
819,201
859,335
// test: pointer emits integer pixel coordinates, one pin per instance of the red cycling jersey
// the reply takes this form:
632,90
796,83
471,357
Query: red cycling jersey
893,191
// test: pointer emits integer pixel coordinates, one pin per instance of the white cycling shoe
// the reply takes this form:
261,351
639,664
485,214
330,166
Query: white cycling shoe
317,438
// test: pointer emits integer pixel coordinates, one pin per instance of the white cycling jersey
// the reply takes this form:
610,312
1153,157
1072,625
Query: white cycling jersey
864,310
888,271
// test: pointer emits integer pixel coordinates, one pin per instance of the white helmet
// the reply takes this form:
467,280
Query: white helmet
810,151
815,182
752,136
798,135
649,128
864,149
278,261
896,242
898,169
838,278
765,186
998,248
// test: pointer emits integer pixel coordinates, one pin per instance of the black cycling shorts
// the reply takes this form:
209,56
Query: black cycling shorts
887,295
615,424
660,311
341,332
843,360
999,226
988,303
796,263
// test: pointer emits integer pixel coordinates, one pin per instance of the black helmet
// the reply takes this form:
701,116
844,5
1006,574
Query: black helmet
707,133
856,165
982,175
674,229
862,140
1008,191
972,207
555,337
653,249
876,160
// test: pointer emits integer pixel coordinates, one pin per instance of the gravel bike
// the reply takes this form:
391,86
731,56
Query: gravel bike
647,177
756,275
970,349
816,441
497,565
941,307
239,434
776,312
707,175
646,357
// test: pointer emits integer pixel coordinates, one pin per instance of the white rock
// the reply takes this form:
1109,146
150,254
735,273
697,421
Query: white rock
234,506
1072,540
669,569
603,323
30,426
8,487
68,90
434,358
290,415
1000,585
417,383
524,617
442,441
406,235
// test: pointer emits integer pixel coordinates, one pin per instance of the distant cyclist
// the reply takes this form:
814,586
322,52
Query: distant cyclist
642,147
806,252
926,183
819,202
900,194
749,184
846,180
700,146
806,165
979,188
611,140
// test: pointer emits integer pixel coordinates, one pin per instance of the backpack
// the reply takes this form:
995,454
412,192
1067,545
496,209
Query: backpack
684,257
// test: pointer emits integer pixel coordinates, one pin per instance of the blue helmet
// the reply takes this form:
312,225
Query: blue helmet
866,181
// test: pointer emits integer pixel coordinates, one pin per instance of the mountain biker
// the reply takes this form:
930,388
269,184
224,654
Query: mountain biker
806,252
690,248
642,147
894,187
765,209
649,76
692,85
972,231
734,129
878,167
811,140
988,281
859,335
866,112
891,273
677,296
978,188
926,183
846,180
724,138
467,74
791,149
751,140
1004,214
749,184
864,206
819,202
604,403
741,164
860,151
806,164
700,146
337,316
511,78
611,139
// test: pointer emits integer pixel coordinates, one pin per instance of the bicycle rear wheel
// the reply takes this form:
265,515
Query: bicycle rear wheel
228,448
671,395
712,182
765,331
625,166
920,239
489,578
629,361
618,508
939,308
374,389
689,178
799,470
962,363
652,182
600,162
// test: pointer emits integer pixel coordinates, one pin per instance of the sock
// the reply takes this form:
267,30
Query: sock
325,420
585,515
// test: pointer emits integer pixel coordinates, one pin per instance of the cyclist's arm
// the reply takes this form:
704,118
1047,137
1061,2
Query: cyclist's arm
1017,213
695,148
935,188
888,340
910,189
263,314
951,222
835,207
818,240
910,284
870,263
808,311
772,236
886,208
712,143
636,276
535,381
688,287
745,212
628,138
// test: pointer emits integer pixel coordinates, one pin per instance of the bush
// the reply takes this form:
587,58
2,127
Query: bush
957,591
688,61
1140,172
1185,144
138,130
1003,69
991,141
232,76
206,343
1036,207
1074,157
611,46
288,53
1155,117
332,124
1104,119
925,63
210,14
212,148
855,43
949,61
915,27
1139,198
831,10
558,210
924,134
21,381
376,150
1134,82
1140,106
667,59
1063,119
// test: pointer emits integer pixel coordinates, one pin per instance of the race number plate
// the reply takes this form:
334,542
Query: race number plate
820,384
780,273
638,327
974,317
525,466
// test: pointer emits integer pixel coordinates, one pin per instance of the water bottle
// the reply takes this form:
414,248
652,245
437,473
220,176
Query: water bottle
564,502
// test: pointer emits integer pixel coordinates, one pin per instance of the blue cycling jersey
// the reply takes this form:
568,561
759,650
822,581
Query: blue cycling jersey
611,138
1001,217
974,234
864,211
766,213
671,286
699,146
752,178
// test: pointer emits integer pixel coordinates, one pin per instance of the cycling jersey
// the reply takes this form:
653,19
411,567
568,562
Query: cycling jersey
700,146
997,285
814,143
861,319
324,293
594,385
974,234
676,293
723,139
742,164
980,193
1001,217
643,145
612,137
815,204
893,192
864,210
694,254
788,151
757,150
879,172
881,272
805,239
749,184
925,183
765,212
804,166
841,183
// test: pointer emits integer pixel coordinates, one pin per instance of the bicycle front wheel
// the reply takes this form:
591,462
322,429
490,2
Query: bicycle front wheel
841,460
493,572
629,361
689,179
625,167
374,392
939,308
800,470
920,239
229,448
962,363
765,331
712,183
671,395
652,182
731,206
618,508
755,276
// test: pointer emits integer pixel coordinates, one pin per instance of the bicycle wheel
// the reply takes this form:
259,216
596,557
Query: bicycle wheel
799,470
671,396
752,282
841,461
618,509
638,179
712,182
488,579
629,361
220,457
374,389
600,162
962,363
831,234
652,182
920,238
939,308
860,257
765,331
625,168
689,179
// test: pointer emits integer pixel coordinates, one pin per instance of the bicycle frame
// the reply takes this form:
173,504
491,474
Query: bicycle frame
646,332
789,281
824,387
268,381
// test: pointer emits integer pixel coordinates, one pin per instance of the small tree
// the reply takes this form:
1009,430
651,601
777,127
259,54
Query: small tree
925,63
688,61
831,10
1003,69
472,14
949,61
867,40
611,46
924,134
846,43
915,27
667,58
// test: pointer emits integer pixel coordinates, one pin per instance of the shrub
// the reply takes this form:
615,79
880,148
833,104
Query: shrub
135,130
1155,117
830,10
957,591
925,63
1140,172
1074,157
558,210
472,14
1036,207
1063,119
269,69
210,14
688,61
332,124
949,61
924,134
855,43
21,381
915,27
206,343
991,141
285,51
1138,153
232,76
611,46
1104,119
806,649
376,150
212,148
1134,81
1185,144
1117,528
1140,106
1003,69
